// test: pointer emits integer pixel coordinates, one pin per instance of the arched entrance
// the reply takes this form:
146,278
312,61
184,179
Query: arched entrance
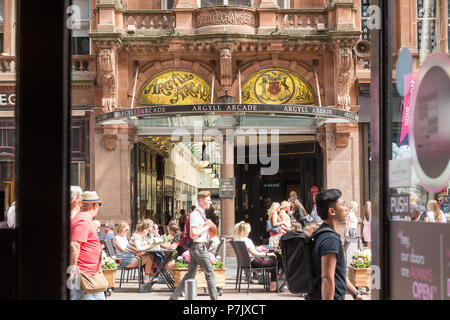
280,127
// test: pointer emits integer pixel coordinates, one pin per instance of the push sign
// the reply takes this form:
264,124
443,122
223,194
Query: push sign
399,205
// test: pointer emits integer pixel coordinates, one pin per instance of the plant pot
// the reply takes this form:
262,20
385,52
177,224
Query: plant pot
200,277
360,277
110,275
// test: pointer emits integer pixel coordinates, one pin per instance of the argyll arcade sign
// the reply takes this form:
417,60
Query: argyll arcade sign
281,109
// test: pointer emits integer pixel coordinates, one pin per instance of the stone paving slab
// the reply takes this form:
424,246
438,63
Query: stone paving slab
129,291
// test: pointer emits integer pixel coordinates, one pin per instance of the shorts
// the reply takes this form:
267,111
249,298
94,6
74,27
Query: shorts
127,258
353,232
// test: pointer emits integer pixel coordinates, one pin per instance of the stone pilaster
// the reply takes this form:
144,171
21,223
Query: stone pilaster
267,16
342,170
184,16
112,165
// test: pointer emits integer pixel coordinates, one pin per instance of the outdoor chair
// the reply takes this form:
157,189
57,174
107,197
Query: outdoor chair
222,241
244,264
111,252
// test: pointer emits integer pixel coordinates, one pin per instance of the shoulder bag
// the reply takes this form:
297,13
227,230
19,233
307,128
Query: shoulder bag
93,283
271,228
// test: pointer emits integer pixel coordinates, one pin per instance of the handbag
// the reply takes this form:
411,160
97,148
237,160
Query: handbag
271,228
93,283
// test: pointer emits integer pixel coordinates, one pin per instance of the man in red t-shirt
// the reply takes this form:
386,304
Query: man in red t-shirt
85,248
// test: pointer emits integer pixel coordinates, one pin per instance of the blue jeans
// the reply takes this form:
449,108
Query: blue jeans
79,294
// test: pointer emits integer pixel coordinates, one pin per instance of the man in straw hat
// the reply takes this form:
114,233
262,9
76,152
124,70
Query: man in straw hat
85,248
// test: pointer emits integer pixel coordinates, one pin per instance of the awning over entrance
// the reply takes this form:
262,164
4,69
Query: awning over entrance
251,112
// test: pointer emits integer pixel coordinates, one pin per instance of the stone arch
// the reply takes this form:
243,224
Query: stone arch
300,68
151,69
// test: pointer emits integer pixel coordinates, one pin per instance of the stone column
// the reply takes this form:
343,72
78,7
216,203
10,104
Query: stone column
7,27
227,204
113,143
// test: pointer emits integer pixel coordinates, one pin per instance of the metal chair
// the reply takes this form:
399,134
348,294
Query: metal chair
219,247
244,264
111,252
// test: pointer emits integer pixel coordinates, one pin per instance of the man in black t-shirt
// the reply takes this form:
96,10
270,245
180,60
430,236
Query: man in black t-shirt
329,268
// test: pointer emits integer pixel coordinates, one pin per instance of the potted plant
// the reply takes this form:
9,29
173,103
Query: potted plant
359,272
109,267
181,267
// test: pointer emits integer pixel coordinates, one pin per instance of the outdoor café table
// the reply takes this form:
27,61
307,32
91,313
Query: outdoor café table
277,252
161,267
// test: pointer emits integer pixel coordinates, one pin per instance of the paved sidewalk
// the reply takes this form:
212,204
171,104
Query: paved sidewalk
129,291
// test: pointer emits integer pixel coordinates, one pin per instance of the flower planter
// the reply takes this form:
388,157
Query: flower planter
360,277
200,277
110,275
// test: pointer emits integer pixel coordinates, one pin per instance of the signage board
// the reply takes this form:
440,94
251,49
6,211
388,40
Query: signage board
282,109
399,173
7,99
399,205
226,188
420,265
430,133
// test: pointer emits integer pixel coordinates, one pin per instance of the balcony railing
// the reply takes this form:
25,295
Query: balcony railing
149,19
7,64
302,19
83,64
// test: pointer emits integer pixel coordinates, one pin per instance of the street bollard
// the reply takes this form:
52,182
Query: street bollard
190,289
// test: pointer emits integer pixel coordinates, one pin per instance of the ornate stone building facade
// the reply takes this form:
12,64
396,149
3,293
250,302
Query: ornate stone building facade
308,46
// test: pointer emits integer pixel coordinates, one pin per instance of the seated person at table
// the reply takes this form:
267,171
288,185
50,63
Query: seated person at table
258,259
120,241
109,231
297,226
214,241
135,248
310,228
175,233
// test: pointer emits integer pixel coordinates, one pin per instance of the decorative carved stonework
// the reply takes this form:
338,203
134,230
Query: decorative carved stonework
231,16
225,67
107,64
110,141
344,76
110,137
342,139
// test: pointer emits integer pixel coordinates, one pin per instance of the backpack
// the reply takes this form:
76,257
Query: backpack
185,239
297,250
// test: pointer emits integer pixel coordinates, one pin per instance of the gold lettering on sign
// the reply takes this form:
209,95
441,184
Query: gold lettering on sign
175,87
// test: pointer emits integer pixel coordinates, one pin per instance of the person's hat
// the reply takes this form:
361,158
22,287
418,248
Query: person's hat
90,197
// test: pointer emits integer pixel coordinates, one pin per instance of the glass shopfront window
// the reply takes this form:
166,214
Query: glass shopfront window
419,166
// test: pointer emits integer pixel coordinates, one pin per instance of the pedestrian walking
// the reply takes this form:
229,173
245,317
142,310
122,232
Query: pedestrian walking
76,193
367,217
85,247
182,219
351,223
11,216
328,261
198,229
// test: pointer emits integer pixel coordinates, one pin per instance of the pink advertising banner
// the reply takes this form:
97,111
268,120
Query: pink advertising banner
410,82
